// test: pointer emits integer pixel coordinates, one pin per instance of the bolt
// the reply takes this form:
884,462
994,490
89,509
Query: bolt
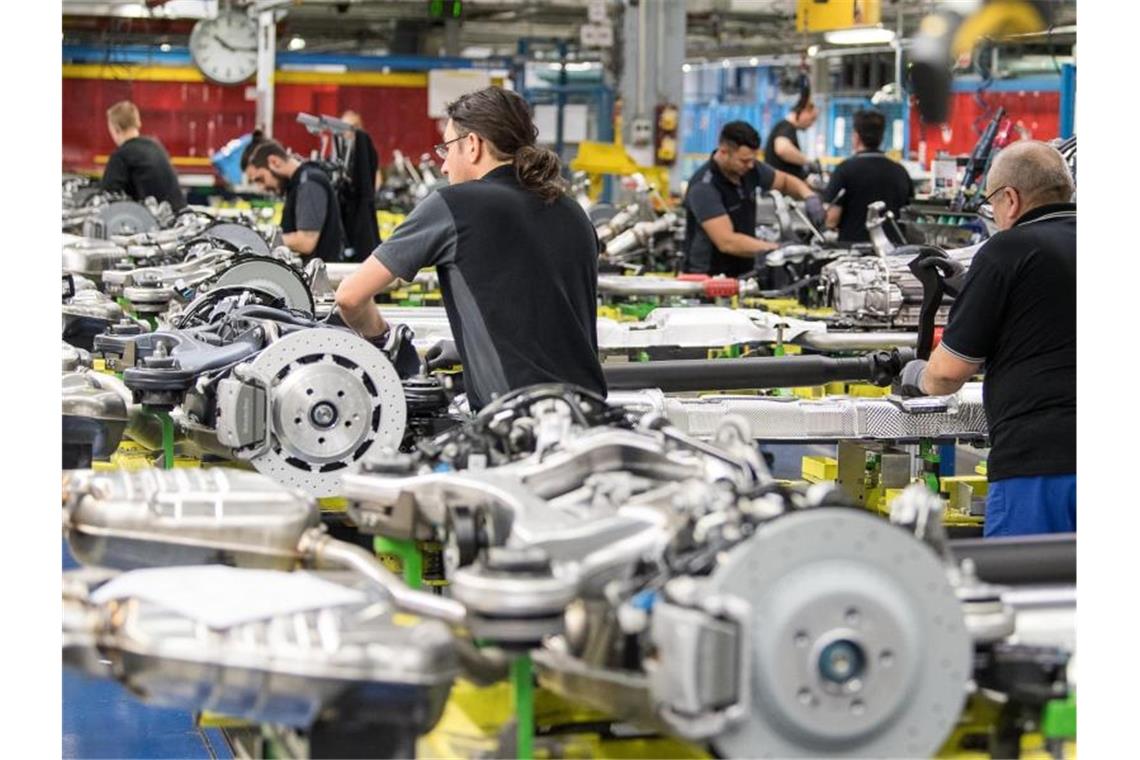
323,414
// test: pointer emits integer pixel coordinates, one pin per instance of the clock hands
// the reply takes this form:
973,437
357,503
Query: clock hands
231,48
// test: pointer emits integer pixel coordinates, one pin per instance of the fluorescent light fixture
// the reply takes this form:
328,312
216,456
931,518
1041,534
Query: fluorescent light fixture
297,43
476,51
164,47
753,61
686,68
859,35
813,51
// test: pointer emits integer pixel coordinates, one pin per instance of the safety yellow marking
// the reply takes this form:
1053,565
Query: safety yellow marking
191,74
176,160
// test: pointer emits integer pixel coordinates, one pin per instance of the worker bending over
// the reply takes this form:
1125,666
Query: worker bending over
1017,315
516,257
140,166
720,204
310,221
866,177
782,151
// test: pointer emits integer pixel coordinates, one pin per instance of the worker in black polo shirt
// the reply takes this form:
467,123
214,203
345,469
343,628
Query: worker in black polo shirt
517,258
310,221
782,151
720,204
866,177
1016,314
139,166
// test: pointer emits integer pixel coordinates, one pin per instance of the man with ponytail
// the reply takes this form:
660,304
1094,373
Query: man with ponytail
517,258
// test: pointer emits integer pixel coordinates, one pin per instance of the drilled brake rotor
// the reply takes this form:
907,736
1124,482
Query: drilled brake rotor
335,401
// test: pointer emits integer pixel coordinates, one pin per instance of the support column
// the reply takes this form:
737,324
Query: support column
266,63
653,45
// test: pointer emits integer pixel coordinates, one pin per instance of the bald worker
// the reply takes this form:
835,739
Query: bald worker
1017,315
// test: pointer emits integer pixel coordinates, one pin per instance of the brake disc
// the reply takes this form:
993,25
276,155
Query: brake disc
334,400
858,643
126,218
239,236
270,276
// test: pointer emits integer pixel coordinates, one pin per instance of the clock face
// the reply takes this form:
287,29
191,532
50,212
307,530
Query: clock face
225,48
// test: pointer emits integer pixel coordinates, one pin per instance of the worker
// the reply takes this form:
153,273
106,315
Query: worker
310,221
782,151
353,118
1016,314
257,137
866,177
358,192
720,204
516,256
139,166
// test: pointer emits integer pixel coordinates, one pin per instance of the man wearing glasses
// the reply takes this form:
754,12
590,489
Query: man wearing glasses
517,258
1017,315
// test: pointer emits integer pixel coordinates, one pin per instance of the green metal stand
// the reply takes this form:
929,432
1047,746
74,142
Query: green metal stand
409,555
522,694
167,438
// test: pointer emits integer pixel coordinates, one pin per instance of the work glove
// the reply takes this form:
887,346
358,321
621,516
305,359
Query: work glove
397,345
813,207
442,355
910,379
813,167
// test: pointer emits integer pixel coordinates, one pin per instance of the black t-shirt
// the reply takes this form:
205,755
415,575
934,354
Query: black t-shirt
861,180
519,278
311,204
141,169
711,194
1017,312
783,129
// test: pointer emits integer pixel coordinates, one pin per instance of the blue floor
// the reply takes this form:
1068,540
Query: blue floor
102,720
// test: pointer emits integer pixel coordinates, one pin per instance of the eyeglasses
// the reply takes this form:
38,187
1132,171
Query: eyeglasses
441,149
989,198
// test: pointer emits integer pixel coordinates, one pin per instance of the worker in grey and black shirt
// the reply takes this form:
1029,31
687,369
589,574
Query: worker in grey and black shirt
310,221
517,258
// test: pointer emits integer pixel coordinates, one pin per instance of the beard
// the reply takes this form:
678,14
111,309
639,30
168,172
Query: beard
282,183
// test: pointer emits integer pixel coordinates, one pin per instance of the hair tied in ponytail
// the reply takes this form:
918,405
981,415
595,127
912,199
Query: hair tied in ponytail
540,171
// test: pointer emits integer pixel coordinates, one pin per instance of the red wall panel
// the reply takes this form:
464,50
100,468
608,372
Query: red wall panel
193,119
1036,116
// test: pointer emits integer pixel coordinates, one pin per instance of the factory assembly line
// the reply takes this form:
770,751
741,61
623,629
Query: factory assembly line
546,403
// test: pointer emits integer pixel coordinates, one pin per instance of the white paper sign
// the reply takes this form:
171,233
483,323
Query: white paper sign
446,85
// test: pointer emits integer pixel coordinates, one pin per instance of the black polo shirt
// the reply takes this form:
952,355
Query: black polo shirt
861,180
1017,312
141,168
519,278
711,194
311,204
783,129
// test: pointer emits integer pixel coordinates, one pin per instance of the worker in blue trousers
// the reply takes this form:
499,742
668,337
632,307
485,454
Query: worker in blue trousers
1016,314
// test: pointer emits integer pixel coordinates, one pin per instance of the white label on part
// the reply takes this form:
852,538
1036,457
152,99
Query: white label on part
840,131
897,136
